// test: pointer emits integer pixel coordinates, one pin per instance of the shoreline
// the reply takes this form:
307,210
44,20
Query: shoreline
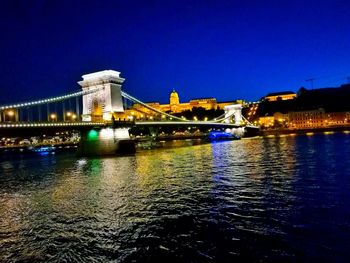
309,131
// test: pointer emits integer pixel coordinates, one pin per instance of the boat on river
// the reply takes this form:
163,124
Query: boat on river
221,136
43,149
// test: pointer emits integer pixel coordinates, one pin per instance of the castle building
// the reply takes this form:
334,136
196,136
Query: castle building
175,106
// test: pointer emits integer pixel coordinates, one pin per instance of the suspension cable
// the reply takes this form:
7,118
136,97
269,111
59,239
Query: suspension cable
50,100
127,96
248,121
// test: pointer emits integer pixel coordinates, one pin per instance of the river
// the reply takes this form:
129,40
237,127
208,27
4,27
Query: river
281,199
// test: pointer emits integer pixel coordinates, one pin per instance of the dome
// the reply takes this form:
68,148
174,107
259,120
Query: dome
174,97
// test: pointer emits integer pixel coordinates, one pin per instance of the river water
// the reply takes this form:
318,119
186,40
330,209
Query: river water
281,199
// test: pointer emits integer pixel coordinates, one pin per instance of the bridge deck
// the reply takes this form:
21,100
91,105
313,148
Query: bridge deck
24,125
186,123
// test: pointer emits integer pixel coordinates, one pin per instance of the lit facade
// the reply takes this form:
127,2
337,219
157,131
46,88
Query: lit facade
337,118
277,118
317,119
266,121
307,119
285,95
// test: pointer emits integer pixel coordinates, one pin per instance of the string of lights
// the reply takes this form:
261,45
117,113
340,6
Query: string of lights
50,100
56,124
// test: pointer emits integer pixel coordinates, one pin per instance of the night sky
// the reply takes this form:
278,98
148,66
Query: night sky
224,49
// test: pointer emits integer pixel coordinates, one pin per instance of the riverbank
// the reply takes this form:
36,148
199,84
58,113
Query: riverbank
278,132
28,148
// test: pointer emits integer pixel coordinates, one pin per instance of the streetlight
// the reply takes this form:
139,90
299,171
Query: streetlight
53,117
67,116
10,113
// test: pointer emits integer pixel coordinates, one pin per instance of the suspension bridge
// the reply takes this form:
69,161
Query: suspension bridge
99,105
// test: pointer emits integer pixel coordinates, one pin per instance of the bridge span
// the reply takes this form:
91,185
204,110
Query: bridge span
77,125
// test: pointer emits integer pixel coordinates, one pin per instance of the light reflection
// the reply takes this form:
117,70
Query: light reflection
112,195
82,162
328,132
106,133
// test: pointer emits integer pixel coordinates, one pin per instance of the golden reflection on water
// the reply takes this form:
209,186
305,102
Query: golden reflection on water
114,187
165,167
103,207
172,168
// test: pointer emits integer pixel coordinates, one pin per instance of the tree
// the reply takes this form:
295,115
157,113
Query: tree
301,91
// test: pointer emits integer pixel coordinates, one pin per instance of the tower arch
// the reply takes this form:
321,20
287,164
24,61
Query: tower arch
107,99
236,111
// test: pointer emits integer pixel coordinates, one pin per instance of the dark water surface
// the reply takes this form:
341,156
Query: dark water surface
268,200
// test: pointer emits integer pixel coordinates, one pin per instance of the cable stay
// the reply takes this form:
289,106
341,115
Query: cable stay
127,96
135,100
247,121
50,100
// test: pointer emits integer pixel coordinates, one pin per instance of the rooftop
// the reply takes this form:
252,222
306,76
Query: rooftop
280,93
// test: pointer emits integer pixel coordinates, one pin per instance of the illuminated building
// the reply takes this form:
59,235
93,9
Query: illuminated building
267,121
140,112
317,119
284,95
277,118
337,118
174,101
307,119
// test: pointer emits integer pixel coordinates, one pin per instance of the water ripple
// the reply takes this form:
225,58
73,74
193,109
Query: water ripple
266,199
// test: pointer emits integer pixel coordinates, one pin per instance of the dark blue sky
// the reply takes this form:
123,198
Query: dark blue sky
223,49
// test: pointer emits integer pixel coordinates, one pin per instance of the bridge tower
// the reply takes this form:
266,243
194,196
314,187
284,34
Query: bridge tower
100,105
235,110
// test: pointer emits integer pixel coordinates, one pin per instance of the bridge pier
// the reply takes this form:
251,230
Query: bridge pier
239,132
105,141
